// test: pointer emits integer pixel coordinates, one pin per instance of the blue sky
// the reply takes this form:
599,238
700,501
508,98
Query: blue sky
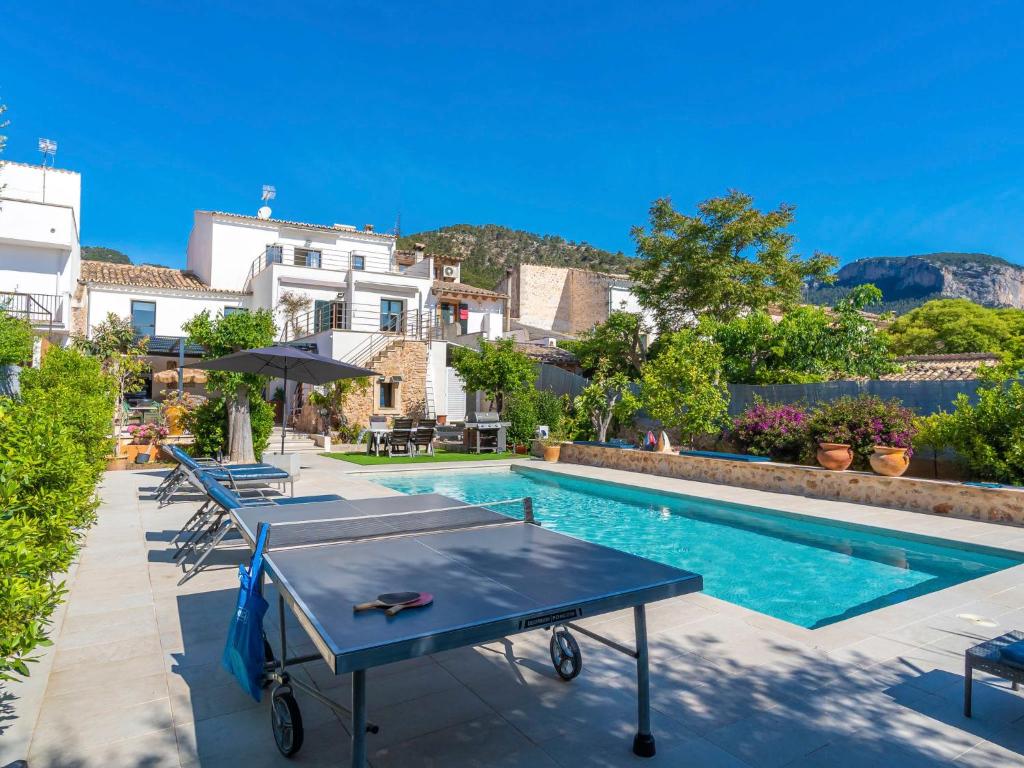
894,128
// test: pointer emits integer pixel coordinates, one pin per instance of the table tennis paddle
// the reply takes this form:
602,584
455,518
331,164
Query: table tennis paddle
390,600
424,598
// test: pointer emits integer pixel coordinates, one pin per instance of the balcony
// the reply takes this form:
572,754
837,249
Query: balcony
42,310
340,316
327,260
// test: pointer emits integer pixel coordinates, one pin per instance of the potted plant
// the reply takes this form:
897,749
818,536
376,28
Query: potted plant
144,437
551,448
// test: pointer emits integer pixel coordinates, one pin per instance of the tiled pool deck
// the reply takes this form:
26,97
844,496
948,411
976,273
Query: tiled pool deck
134,676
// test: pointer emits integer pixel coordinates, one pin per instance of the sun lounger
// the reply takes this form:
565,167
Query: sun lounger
237,475
211,522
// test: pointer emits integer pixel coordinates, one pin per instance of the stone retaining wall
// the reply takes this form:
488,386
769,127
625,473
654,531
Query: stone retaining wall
994,505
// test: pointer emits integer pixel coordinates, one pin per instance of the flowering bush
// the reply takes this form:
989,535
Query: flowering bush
863,422
779,431
147,433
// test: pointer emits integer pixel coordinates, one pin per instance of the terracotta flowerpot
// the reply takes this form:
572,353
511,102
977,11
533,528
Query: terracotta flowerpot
522,448
552,452
173,413
116,463
835,456
889,461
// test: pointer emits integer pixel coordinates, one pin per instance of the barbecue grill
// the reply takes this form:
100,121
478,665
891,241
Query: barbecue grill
484,431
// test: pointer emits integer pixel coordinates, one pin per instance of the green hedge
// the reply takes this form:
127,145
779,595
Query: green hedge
53,444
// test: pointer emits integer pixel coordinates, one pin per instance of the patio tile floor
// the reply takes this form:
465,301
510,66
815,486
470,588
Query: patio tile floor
136,679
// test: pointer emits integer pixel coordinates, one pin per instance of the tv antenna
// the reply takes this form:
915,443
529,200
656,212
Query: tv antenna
268,194
48,149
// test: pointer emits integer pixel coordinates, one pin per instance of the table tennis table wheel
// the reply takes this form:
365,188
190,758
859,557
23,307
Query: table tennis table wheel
286,720
565,654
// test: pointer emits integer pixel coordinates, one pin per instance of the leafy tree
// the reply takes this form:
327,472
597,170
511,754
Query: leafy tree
607,397
223,335
727,259
683,387
16,340
617,344
949,326
108,255
497,369
807,344
122,356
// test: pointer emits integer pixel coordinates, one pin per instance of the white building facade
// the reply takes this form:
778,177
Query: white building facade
40,250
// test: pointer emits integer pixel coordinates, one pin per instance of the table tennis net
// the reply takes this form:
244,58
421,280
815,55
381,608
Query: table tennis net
370,526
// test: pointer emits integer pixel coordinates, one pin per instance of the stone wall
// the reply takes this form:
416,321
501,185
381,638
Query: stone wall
993,505
407,359
589,299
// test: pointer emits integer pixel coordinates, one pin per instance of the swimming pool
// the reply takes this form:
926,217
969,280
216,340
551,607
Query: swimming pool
795,568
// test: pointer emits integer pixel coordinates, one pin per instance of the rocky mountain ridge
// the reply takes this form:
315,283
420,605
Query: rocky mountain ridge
908,281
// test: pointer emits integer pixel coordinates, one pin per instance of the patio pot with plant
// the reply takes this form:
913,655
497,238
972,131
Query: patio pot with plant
144,440
552,449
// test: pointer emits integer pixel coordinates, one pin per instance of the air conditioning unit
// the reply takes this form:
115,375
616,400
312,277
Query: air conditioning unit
449,271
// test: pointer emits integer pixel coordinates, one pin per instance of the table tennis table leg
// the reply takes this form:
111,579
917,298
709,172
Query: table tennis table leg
643,742
359,718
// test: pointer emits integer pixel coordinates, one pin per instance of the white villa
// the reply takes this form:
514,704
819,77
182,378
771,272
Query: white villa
369,303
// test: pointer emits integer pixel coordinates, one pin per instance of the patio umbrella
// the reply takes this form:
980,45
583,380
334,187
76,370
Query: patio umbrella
287,363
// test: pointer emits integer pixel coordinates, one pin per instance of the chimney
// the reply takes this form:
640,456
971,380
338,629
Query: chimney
419,249
368,228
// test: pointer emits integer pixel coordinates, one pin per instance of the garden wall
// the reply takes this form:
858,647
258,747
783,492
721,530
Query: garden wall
994,505
922,397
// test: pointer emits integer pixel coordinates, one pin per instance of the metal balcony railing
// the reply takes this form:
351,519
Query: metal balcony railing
322,258
40,309
365,318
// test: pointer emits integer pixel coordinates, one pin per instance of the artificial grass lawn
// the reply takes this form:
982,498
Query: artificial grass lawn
365,459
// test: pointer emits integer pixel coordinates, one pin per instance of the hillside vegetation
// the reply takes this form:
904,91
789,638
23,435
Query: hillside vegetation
100,253
488,250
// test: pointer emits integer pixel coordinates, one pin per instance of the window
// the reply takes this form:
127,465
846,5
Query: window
144,318
358,262
447,313
233,310
391,312
274,254
387,395
304,257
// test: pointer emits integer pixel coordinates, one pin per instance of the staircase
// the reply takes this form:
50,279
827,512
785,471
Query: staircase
294,442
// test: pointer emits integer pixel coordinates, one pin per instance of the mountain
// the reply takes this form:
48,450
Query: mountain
909,281
488,249
109,255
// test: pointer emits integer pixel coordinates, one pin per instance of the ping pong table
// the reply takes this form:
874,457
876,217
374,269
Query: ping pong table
492,574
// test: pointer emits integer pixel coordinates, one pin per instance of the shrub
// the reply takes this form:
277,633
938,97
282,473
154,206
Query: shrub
862,422
16,340
53,441
989,435
551,410
778,431
261,417
521,413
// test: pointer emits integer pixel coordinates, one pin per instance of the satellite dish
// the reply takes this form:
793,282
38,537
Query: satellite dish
263,212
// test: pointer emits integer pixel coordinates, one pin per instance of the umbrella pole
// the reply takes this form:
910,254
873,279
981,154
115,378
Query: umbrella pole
284,415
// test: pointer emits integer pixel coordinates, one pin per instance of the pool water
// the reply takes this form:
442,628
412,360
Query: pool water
795,568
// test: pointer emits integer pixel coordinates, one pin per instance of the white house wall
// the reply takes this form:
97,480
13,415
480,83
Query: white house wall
172,309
